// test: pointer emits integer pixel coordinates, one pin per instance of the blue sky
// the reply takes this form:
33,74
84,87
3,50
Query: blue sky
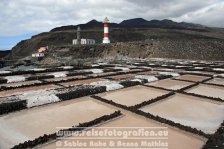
7,42
22,18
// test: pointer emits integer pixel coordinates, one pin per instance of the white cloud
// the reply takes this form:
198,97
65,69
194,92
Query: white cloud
211,15
25,16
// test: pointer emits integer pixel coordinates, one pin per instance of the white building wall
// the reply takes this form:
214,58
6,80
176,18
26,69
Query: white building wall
41,54
84,41
74,41
38,55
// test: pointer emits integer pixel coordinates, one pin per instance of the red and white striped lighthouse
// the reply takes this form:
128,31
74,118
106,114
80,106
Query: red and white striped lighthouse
106,31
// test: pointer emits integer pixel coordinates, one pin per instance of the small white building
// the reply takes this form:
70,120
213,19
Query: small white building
38,55
84,41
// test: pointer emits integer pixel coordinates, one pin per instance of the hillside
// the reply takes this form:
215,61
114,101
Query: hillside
167,37
3,53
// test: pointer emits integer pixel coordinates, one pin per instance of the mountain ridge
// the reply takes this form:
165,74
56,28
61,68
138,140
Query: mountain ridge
136,23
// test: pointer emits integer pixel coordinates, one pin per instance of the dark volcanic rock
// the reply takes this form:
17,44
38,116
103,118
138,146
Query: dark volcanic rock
198,49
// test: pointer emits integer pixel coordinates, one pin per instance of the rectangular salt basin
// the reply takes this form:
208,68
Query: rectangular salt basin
101,74
65,78
16,78
133,95
22,90
190,111
123,76
199,72
208,90
88,81
170,84
185,140
147,73
20,83
218,81
192,78
29,124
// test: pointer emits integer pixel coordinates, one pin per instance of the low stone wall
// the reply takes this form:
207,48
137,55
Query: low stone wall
80,92
12,106
216,141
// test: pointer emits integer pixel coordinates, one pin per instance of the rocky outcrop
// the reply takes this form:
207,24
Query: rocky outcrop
200,49
197,49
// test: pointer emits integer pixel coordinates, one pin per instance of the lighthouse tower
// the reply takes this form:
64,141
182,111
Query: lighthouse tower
78,35
106,31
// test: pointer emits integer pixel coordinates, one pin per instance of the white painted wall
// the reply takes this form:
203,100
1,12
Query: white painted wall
84,41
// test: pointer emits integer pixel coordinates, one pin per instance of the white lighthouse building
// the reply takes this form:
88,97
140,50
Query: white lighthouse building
106,39
82,41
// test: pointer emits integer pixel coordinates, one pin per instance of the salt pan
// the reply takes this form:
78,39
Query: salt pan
41,97
11,79
146,77
110,85
59,74
170,73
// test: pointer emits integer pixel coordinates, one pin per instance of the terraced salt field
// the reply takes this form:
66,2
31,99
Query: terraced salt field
129,120
186,98
22,90
216,81
192,78
28,125
190,111
170,84
64,78
133,96
20,83
122,76
74,83
208,90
